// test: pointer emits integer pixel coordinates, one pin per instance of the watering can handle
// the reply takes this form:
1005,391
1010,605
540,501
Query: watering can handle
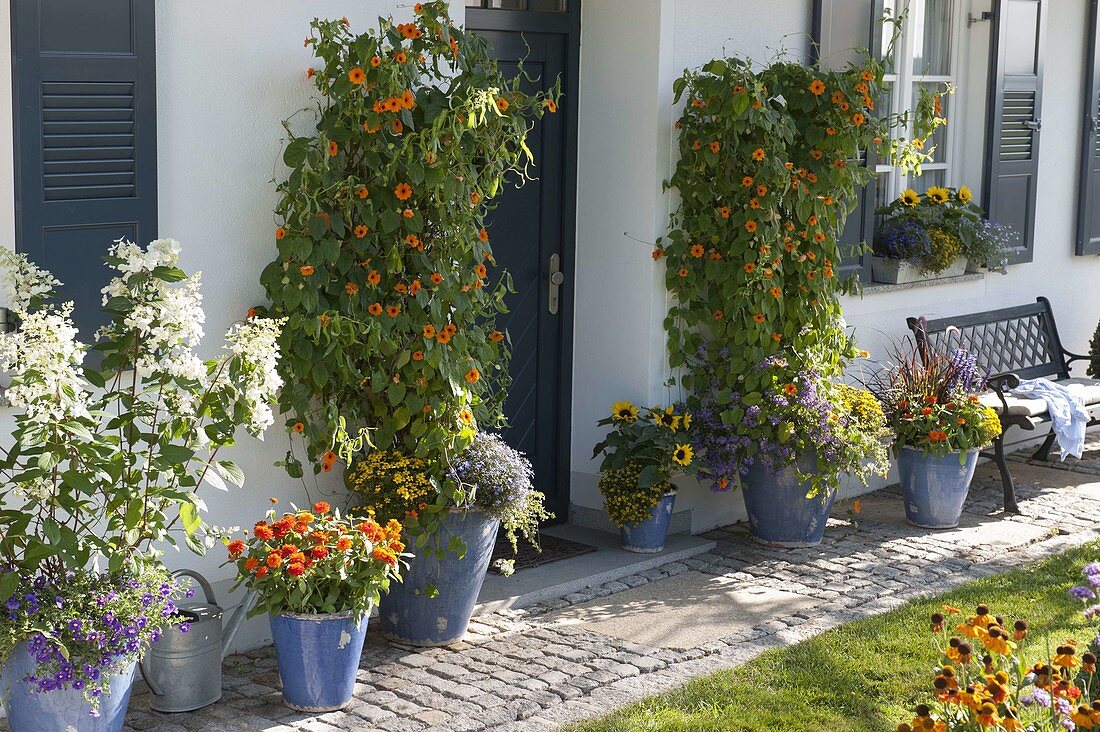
153,687
206,588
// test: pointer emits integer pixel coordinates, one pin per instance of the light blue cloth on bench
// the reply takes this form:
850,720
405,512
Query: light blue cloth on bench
1067,412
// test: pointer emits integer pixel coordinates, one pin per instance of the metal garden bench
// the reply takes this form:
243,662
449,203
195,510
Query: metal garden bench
1011,344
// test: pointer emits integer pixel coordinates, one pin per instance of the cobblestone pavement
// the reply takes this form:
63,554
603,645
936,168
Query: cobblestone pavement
521,671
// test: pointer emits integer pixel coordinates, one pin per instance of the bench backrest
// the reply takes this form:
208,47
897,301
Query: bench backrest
1021,340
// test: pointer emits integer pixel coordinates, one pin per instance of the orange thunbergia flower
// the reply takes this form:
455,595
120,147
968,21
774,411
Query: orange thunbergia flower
775,292
790,389
816,154
483,235
473,375
351,288
817,87
357,75
362,192
436,278
414,287
280,233
413,241
408,213
429,331
299,427
714,256
444,336
858,119
466,416
393,311
374,278
475,198
375,308
758,154
719,314
310,72
750,226
400,57
400,288
657,253
306,270
750,267
403,191
761,189
715,146
333,148
746,181
502,104
830,131
418,356
371,128
360,231
777,337
496,336
838,97
724,212
397,127
697,250
683,272
759,318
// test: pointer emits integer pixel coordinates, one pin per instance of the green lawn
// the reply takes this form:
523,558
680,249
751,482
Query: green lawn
865,676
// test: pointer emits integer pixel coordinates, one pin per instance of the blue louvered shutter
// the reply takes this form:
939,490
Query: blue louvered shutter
839,28
85,137
1015,106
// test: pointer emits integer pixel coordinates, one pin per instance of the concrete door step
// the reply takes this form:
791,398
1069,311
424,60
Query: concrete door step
561,578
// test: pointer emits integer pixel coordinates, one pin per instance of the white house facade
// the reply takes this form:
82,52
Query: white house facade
209,83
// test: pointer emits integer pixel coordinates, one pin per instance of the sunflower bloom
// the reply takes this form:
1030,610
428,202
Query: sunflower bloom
683,454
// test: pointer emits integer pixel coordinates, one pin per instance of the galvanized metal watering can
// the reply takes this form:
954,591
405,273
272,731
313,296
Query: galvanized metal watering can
184,670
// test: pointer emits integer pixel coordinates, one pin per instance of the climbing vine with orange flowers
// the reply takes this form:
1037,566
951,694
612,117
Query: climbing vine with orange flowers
770,167
385,269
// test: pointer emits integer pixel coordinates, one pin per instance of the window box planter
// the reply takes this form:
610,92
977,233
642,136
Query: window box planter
899,271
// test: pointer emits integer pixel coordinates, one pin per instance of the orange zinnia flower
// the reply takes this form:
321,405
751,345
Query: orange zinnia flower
403,191
344,543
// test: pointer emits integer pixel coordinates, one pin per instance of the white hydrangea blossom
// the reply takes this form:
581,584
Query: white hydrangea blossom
255,344
20,281
45,359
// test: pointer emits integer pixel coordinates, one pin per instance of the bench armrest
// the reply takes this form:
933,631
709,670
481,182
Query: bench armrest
1071,357
1001,384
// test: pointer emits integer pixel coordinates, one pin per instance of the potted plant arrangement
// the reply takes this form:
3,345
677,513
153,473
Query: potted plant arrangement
384,258
765,180
932,406
104,467
487,486
644,451
317,575
939,234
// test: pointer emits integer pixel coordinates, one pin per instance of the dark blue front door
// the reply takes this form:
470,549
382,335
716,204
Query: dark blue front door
533,237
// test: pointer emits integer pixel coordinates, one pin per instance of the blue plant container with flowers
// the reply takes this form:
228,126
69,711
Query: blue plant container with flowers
787,445
318,656
931,401
648,537
487,487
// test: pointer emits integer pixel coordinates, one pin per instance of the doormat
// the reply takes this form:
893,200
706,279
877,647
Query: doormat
528,557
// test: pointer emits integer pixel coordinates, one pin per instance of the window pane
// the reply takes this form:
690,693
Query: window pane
931,25
939,137
887,33
507,4
927,179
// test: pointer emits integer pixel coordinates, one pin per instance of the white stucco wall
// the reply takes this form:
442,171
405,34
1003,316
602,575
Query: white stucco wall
619,339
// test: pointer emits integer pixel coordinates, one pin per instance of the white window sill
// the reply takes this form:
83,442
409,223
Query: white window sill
875,288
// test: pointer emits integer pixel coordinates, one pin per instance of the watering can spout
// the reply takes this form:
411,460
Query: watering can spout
235,619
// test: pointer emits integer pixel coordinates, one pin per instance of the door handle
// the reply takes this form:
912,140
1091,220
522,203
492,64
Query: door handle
557,279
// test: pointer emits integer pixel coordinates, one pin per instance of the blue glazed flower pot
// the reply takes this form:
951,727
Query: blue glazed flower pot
779,512
63,710
648,537
410,615
318,656
935,488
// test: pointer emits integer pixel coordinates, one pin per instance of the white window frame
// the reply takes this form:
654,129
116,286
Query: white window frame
902,81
